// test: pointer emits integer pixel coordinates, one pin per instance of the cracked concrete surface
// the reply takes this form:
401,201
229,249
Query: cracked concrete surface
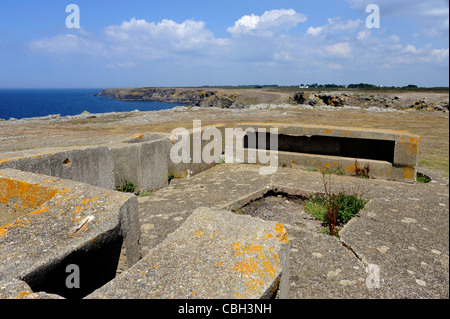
397,247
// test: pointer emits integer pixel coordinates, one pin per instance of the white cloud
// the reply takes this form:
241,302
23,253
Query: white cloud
363,35
394,38
314,31
67,43
267,24
411,49
335,66
180,36
440,55
283,56
255,43
432,14
336,25
342,49
122,65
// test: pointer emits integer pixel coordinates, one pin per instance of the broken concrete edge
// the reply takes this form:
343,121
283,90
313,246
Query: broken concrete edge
214,254
18,289
75,217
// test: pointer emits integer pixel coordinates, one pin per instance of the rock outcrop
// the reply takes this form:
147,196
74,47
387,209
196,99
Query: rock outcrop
430,102
188,97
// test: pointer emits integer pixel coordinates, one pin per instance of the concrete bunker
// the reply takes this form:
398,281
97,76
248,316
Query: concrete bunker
370,149
391,155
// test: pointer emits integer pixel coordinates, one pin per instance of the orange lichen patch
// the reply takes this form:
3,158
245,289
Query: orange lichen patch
247,267
239,295
85,201
198,233
23,294
350,169
33,195
141,136
411,146
281,233
257,266
6,160
41,210
269,235
21,222
48,180
327,131
408,172
346,133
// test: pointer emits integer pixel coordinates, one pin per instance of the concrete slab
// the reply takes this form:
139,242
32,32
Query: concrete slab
51,222
214,254
402,233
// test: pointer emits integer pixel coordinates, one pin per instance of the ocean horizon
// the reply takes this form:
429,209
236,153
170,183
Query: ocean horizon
28,103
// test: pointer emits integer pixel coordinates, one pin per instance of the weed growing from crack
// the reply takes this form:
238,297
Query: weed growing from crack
334,209
126,187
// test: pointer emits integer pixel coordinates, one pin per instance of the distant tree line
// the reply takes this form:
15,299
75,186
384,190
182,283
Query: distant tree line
326,86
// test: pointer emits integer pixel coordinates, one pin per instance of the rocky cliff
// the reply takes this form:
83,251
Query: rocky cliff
414,100
188,97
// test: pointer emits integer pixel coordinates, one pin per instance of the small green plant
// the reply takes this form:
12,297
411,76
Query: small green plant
145,194
336,171
170,177
126,187
316,207
422,178
333,209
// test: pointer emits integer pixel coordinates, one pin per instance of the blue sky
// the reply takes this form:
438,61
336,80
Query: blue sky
139,43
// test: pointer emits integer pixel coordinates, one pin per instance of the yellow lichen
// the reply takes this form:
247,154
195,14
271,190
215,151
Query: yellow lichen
408,173
281,233
258,264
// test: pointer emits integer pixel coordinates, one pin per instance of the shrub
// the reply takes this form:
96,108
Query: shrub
334,209
126,187
170,177
422,178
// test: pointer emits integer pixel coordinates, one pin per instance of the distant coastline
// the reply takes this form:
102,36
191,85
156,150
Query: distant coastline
30,103
237,98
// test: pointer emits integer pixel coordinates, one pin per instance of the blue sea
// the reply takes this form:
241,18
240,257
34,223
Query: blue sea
22,103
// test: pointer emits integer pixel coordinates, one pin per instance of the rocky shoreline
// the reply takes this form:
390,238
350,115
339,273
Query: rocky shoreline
188,97
239,99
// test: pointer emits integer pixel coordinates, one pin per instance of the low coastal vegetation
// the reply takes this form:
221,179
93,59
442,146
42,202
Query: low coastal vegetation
334,209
